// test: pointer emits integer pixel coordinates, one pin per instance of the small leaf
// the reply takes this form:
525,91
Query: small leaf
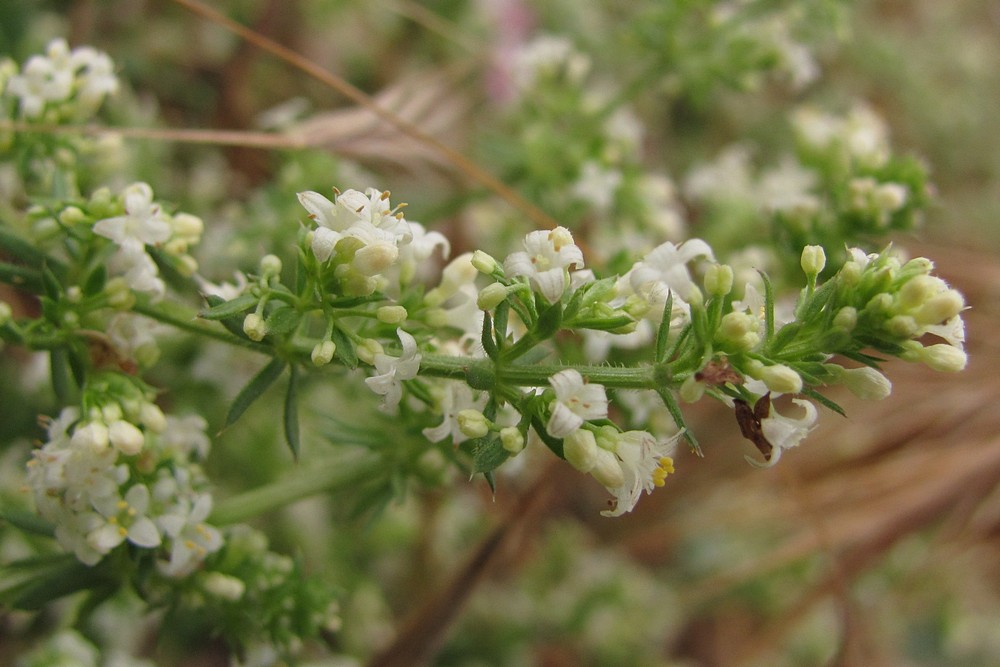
768,306
488,454
549,321
345,348
283,321
220,309
663,333
500,316
60,374
675,411
823,400
292,412
53,288
489,345
96,280
28,522
254,389
25,251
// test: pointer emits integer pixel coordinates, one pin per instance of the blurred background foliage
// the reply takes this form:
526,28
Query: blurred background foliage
876,544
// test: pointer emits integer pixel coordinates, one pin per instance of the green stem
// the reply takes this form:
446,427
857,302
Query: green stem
301,483
636,377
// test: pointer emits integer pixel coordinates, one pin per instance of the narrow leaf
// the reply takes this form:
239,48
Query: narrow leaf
345,348
60,373
549,321
220,309
283,321
675,411
823,400
257,386
663,333
29,522
489,345
292,412
768,307
500,316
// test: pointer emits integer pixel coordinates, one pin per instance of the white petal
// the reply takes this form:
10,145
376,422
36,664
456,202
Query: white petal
143,533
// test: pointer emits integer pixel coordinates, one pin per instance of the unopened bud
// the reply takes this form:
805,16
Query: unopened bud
126,438
719,279
846,318
813,260
781,379
391,314
484,263
270,265
580,449
511,439
254,327
367,349
491,296
472,423
322,353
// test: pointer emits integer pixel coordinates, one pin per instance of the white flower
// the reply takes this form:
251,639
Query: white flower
667,265
186,435
391,371
324,212
784,432
125,518
547,258
575,401
452,399
191,539
43,79
140,272
143,222
645,464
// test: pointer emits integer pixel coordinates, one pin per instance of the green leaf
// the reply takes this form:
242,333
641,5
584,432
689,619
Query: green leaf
283,321
62,383
488,454
28,522
254,389
220,309
292,412
96,280
500,316
489,345
50,281
19,276
675,411
663,333
549,321
345,348
824,401
768,306
25,251
34,582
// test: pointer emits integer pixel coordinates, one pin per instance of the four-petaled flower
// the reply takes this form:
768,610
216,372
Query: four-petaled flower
546,261
391,371
667,265
142,224
575,401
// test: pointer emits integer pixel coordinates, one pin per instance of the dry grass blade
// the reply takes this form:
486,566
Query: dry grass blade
426,100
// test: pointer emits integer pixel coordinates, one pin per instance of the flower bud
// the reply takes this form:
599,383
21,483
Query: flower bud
511,439
580,449
491,296
6,313
866,383
391,314
223,586
188,226
813,260
940,357
890,196
152,417
781,379
93,436
740,329
940,307
472,423
72,215
850,273
458,272
254,327
846,318
374,259
901,326
126,438
270,265
322,353
719,279
484,263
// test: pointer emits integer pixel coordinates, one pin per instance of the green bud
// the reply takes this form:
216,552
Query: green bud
484,263
846,318
580,449
270,266
692,390
901,326
254,327
781,379
72,215
391,314
322,353
472,423
511,439
491,296
6,313
367,349
813,260
719,279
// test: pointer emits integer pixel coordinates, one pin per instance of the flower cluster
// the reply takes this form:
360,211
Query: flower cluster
119,470
61,85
